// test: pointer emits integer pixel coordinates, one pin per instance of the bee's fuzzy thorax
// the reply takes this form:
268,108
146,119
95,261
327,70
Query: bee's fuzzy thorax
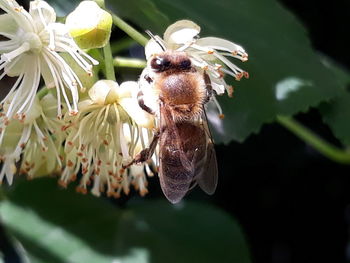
183,92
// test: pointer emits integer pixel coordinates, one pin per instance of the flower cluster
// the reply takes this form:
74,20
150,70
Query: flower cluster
53,132
94,137
109,130
37,139
32,50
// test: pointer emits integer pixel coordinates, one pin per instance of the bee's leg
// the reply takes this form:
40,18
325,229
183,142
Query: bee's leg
208,87
142,103
146,153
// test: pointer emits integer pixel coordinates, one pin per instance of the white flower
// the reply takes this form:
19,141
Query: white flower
208,54
104,136
31,50
36,141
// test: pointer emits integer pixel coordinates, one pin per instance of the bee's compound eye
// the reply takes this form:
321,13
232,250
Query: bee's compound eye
185,64
160,64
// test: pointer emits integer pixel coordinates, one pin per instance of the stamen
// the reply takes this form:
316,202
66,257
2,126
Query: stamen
11,55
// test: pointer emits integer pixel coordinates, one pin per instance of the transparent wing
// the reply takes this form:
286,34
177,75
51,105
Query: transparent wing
176,169
207,177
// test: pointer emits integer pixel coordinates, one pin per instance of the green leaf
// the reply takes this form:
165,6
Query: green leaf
336,112
286,74
57,225
145,13
63,7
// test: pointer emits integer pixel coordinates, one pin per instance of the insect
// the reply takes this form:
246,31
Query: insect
186,150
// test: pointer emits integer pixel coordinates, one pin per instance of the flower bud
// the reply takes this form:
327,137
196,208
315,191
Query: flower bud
89,25
104,92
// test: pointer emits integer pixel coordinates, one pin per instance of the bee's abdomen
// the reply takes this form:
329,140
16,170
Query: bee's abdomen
175,178
179,158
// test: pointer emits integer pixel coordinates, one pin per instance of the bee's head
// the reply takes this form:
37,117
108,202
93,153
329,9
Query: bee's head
171,60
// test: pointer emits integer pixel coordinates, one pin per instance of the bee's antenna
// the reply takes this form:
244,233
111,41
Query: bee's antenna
155,39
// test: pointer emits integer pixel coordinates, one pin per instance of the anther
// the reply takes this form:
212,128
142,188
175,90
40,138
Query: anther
73,113
62,183
230,90
70,163
210,51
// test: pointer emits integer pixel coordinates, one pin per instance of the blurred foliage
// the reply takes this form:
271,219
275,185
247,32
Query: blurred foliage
336,112
56,225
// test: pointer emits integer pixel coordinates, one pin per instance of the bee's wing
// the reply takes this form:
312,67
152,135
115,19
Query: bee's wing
207,177
176,169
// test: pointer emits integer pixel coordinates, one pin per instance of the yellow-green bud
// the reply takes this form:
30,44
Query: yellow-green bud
89,25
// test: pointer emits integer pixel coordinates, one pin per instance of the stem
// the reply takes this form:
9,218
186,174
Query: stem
132,32
129,62
107,52
328,150
42,92
96,54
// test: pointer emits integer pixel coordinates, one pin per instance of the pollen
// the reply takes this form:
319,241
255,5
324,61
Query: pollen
18,9
81,190
230,90
210,52
239,76
62,183
73,113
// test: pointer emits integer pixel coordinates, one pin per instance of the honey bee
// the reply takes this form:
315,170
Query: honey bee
186,150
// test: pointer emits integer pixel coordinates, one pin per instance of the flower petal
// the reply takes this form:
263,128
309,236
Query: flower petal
47,75
100,90
142,118
21,16
128,89
218,85
219,44
42,13
181,32
8,26
18,66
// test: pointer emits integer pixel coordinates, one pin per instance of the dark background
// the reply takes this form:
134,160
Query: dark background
293,204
